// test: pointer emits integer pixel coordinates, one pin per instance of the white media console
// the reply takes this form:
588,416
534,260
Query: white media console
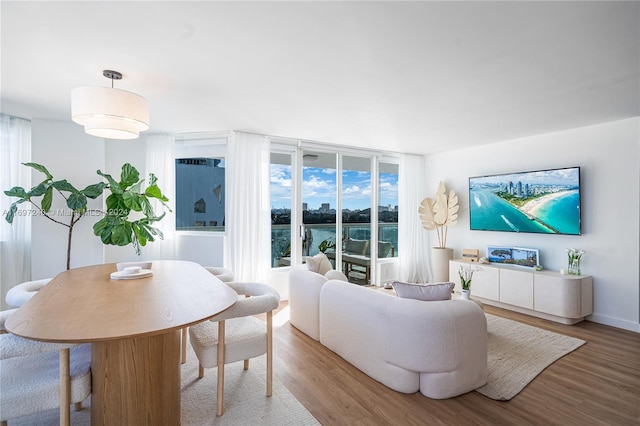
567,299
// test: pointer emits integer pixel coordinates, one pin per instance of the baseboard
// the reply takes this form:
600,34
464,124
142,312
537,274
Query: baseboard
614,322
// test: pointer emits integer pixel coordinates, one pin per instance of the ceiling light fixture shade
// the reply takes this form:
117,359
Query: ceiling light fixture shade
110,113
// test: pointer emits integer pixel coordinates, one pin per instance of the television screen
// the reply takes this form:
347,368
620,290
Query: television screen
545,201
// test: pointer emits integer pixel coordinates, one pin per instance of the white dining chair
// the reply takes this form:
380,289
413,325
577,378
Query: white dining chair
236,334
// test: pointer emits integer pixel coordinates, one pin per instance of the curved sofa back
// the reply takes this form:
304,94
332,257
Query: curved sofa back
304,299
395,340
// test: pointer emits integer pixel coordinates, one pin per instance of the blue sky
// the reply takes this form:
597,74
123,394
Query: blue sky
319,186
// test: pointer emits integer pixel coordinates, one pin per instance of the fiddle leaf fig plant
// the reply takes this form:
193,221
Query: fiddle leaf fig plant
116,227
127,197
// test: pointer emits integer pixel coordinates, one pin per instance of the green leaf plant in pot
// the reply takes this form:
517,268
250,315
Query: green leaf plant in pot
116,227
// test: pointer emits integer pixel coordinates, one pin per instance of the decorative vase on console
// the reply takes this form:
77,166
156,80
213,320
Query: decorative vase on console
466,274
438,214
574,257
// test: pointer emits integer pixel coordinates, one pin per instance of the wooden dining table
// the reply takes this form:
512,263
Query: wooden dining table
134,328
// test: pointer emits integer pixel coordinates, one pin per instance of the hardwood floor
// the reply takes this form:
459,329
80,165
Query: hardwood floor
598,384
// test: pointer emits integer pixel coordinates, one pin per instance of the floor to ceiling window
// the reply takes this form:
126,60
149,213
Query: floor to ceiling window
326,204
356,218
282,173
319,198
388,207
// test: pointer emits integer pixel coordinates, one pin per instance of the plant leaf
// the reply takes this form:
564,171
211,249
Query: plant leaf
12,212
116,206
47,199
38,190
128,176
95,190
77,201
121,234
132,201
40,168
113,185
154,192
17,191
63,185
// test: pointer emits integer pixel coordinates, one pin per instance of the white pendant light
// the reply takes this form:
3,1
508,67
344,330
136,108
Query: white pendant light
109,113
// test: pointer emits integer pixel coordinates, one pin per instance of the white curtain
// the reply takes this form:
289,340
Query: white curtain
161,162
413,239
15,239
248,226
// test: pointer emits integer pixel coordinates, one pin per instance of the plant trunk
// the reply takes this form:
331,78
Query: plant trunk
69,240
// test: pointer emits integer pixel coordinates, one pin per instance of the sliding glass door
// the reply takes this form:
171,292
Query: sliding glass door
319,203
344,205
356,218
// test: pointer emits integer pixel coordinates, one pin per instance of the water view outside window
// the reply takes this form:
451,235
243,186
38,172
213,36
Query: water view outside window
200,191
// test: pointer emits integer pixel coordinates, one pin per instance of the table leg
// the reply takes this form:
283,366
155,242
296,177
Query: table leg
136,381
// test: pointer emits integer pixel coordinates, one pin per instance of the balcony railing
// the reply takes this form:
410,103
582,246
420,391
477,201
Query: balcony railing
316,233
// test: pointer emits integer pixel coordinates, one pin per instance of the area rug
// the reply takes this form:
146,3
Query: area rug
245,400
518,353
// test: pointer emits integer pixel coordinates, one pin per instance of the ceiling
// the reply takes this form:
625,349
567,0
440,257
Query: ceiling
418,77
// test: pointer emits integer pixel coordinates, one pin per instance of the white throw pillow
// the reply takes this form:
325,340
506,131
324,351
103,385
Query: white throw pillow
334,274
429,292
319,263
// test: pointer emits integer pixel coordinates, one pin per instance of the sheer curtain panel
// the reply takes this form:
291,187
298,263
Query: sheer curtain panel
15,239
248,242
413,239
161,162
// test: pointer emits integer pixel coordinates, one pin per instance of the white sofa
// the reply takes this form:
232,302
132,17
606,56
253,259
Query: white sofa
438,348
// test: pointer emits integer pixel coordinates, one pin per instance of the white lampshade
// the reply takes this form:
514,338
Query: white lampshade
109,113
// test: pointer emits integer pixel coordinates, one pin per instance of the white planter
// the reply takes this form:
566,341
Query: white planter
440,258
464,294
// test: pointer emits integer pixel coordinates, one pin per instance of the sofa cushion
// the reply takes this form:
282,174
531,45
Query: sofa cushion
356,246
319,263
334,274
428,292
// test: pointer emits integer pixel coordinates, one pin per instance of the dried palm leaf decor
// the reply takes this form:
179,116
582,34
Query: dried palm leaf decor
439,213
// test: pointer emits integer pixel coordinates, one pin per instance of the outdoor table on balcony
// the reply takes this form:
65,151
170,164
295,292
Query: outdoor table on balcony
134,328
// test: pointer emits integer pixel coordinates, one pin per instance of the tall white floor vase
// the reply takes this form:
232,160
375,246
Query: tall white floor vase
440,258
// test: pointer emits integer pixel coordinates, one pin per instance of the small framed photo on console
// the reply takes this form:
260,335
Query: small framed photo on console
517,256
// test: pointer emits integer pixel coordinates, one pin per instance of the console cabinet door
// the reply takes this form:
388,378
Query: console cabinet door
558,296
486,283
516,288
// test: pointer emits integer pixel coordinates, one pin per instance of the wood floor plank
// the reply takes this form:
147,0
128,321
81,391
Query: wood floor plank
598,384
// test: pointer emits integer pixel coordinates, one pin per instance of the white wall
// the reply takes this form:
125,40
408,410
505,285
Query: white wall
608,155
68,153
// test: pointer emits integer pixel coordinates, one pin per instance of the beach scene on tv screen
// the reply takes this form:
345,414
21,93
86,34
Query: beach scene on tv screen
545,201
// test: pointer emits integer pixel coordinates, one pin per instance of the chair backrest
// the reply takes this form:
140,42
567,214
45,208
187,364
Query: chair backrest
19,294
263,298
356,246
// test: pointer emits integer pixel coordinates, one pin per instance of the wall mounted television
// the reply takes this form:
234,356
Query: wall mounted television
543,201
